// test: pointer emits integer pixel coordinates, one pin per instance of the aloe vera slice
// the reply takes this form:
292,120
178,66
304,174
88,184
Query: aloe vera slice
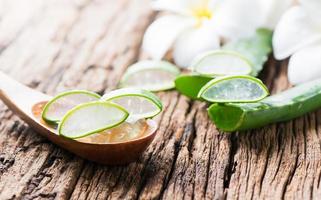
56,108
234,89
150,75
281,107
221,63
138,102
89,118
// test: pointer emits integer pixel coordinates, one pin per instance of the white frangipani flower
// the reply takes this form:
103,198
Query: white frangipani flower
196,26
298,35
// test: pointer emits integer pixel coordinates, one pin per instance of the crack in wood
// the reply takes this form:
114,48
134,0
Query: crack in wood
232,163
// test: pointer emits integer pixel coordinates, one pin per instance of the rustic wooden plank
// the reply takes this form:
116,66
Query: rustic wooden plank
31,159
57,45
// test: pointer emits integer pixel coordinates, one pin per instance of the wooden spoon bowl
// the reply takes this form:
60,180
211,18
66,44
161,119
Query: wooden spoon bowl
27,104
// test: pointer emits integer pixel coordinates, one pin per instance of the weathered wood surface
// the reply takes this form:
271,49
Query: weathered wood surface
56,45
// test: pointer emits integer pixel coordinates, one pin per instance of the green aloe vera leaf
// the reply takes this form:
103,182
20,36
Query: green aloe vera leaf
281,107
255,48
190,84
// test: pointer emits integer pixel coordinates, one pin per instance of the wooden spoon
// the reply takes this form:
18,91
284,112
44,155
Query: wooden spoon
26,103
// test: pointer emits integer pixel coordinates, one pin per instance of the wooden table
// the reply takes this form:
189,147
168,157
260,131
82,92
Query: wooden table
55,45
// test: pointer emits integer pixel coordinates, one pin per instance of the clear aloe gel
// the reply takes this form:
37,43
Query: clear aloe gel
122,133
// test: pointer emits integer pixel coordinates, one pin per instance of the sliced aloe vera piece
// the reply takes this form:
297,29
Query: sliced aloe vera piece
89,118
255,48
234,89
220,63
138,102
150,75
190,84
56,108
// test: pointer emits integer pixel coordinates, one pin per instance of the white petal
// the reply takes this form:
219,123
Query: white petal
162,33
240,18
213,5
193,42
271,11
305,65
185,7
313,8
233,19
294,32
176,6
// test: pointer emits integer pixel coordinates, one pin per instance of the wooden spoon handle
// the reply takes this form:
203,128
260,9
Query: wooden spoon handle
18,96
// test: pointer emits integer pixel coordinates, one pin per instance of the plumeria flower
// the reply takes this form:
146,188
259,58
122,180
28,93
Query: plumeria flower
298,35
196,26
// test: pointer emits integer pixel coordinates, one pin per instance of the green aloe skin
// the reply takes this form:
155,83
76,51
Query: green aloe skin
284,106
190,84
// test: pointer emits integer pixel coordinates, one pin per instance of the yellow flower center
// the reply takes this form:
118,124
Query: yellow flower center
202,14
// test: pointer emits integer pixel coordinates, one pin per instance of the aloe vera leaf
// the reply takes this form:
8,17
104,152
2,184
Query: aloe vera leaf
281,107
255,48
190,84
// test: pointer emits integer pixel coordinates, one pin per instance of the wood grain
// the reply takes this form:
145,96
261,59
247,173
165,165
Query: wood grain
56,45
